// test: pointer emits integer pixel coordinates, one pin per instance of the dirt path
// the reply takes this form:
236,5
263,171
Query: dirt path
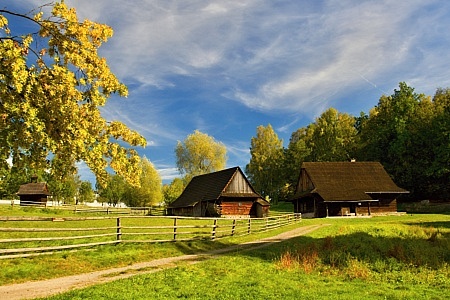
45,288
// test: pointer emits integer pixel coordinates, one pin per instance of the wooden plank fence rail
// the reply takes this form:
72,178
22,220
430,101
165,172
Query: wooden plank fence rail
52,229
42,249
146,210
24,241
153,210
55,238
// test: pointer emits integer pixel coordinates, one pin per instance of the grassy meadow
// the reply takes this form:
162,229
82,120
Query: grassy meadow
67,262
394,257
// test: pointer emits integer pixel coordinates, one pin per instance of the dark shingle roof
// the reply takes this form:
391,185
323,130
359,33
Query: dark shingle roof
33,189
341,181
208,187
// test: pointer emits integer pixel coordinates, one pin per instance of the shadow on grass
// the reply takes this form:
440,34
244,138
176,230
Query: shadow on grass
337,251
442,208
427,224
201,246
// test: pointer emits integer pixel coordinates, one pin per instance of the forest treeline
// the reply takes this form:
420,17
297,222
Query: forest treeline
408,132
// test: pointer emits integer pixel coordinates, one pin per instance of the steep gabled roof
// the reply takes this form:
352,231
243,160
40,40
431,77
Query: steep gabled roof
33,189
349,181
210,187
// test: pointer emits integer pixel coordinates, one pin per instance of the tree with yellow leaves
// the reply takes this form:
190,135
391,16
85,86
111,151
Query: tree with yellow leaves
150,191
52,84
200,154
265,167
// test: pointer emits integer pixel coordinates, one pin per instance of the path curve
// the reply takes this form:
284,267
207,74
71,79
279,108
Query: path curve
46,288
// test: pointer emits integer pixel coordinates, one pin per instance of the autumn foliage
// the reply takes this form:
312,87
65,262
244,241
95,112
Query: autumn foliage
52,84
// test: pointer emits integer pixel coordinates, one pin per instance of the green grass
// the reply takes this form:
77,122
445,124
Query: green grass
103,257
240,277
397,257
69,263
103,229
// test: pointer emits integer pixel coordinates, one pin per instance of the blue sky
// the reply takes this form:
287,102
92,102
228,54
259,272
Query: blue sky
225,67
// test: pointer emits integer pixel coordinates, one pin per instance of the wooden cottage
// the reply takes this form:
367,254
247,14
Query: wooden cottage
345,188
34,193
226,193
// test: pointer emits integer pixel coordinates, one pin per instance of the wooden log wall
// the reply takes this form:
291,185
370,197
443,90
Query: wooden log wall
242,208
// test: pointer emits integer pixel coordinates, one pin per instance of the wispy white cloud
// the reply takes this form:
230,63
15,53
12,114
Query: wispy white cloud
366,37
286,56
287,127
289,55
293,56
144,116
167,173
238,153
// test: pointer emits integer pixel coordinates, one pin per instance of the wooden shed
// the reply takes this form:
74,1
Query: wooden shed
34,193
345,189
226,193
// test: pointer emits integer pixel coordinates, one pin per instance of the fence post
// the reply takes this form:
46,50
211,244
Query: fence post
119,230
249,227
175,228
233,227
213,233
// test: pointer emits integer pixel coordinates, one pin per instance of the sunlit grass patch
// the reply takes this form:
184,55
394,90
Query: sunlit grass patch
394,252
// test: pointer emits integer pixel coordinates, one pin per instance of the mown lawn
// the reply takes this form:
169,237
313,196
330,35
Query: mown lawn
397,257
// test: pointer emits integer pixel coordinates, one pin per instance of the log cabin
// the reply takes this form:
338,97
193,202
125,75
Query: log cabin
33,193
226,193
345,189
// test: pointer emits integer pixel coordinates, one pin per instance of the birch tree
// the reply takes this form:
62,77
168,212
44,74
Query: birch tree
265,167
333,137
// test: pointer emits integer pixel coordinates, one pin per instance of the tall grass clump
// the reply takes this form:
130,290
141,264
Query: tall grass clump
382,252
306,258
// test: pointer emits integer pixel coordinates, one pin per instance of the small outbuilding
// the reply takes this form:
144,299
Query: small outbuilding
345,189
34,193
226,193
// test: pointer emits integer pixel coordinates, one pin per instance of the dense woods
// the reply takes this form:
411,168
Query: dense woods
409,133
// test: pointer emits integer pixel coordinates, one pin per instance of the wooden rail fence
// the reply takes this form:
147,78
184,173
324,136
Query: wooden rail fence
31,236
147,210
153,210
